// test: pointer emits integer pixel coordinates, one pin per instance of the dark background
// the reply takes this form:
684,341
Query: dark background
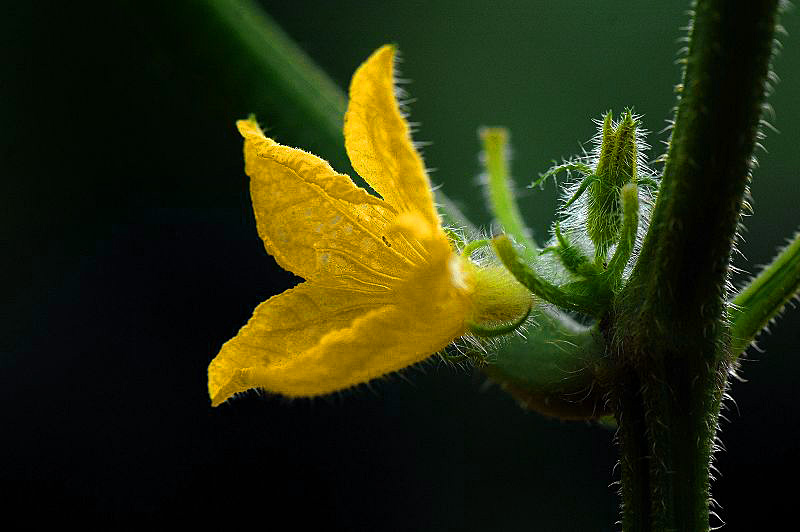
131,255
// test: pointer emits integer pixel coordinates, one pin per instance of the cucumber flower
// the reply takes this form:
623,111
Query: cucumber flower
384,287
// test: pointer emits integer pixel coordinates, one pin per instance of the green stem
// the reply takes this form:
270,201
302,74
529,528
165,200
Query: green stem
634,446
279,70
251,61
501,193
584,303
668,320
764,297
708,166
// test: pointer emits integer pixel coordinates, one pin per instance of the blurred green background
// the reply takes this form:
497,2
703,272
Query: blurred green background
132,256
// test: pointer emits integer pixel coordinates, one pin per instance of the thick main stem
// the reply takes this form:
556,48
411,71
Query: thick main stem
667,328
667,428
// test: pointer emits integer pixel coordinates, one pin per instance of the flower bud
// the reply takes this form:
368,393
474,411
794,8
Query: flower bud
616,167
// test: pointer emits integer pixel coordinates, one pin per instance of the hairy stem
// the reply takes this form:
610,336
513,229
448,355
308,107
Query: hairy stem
585,303
708,165
764,297
668,320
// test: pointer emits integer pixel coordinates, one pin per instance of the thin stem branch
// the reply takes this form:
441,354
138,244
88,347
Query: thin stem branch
251,61
765,297
585,303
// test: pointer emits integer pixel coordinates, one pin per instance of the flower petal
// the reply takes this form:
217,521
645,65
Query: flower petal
281,330
378,342
378,139
315,222
381,342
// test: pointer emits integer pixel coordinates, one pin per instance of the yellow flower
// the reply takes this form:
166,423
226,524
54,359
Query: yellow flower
383,287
